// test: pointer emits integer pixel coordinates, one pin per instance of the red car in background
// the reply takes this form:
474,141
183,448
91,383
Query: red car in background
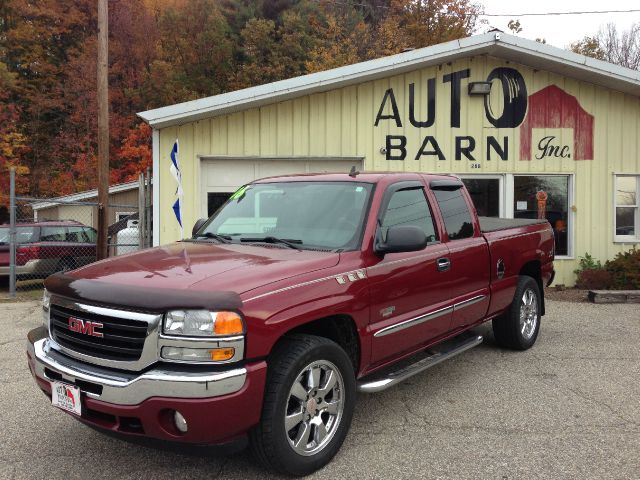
44,248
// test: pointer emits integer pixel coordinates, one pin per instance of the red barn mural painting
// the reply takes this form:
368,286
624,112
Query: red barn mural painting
552,107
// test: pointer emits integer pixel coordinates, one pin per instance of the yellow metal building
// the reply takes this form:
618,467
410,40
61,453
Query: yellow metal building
534,131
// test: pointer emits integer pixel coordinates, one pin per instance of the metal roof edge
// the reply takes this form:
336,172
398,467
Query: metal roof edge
76,197
492,42
567,57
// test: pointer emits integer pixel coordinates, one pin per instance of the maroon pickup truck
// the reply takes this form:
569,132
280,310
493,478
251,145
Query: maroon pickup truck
297,293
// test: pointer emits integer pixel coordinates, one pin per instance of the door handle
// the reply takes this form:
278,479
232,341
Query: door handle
443,264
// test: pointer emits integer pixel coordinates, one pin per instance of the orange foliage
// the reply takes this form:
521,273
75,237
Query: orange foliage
169,51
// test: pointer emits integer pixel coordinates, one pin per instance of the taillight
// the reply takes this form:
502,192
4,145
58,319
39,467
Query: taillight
26,253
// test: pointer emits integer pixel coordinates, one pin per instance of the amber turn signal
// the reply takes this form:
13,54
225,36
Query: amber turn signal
222,354
228,323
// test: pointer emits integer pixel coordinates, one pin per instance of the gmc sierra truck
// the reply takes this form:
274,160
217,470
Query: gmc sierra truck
297,293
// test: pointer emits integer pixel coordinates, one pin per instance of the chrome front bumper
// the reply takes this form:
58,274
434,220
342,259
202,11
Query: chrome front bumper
129,388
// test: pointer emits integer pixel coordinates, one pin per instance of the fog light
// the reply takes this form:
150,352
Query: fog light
180,421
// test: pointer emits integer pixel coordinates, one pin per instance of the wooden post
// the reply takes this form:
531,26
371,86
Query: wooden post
103,127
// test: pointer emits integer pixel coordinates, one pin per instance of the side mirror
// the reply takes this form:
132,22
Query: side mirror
403,238
198,226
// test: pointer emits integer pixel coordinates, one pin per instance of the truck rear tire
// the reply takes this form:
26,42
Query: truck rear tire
308,405
518,327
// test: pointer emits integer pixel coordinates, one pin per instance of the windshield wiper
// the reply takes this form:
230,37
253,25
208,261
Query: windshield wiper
215,236
289,242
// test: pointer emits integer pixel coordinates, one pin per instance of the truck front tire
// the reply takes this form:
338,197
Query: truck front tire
518,327
308,405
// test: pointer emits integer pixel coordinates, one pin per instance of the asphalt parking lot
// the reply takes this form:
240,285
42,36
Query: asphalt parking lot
567,408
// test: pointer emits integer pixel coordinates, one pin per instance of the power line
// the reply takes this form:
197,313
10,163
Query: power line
585,12
533,14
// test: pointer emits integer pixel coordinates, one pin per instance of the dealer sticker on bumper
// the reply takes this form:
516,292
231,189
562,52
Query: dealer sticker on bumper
66,397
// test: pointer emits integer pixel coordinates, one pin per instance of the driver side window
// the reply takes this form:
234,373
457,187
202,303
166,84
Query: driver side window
409,207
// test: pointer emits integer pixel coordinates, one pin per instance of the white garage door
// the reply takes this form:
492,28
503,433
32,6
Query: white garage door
220,177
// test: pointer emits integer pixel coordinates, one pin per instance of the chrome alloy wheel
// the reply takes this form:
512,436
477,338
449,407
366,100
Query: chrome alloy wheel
528,313
314,407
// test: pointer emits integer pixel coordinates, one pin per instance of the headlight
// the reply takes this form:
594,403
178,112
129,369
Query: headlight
46,300
46,305
203,323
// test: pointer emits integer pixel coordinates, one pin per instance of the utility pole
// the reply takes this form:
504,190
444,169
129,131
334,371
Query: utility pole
103,127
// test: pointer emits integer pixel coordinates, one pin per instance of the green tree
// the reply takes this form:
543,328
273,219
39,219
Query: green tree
271,52
194,53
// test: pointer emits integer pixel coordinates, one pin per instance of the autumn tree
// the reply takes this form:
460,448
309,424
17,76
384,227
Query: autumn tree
428,22
193,53
271,50
12,142
169,51
611,45
398,25
343,38
132,48
37,39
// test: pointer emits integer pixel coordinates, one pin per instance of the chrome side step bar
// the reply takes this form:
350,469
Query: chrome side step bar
395,374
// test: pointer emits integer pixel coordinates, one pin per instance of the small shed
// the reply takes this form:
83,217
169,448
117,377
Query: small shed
82,207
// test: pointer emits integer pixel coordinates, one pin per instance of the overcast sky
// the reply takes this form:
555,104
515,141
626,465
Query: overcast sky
560,30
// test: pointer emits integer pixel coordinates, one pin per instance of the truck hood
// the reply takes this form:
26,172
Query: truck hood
207,266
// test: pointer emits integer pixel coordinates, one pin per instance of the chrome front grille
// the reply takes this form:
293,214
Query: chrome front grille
119,338
126,340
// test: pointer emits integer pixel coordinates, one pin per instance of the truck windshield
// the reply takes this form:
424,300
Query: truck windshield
314,215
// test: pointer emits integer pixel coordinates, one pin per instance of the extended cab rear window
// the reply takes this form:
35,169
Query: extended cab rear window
455,213
409,207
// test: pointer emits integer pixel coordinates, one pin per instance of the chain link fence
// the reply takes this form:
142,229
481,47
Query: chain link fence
49,235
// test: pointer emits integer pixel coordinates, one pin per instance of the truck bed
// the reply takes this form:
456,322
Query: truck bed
493,224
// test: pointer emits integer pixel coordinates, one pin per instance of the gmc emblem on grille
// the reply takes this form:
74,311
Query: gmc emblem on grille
86,327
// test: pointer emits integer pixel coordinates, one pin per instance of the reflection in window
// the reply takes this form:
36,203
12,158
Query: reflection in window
409,207
77,235
455,213
215,200
23,235
627,211
91,234
53,234
545,196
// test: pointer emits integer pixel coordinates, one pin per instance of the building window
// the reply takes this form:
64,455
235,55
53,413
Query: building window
123,215
485,193
545,196
627,214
